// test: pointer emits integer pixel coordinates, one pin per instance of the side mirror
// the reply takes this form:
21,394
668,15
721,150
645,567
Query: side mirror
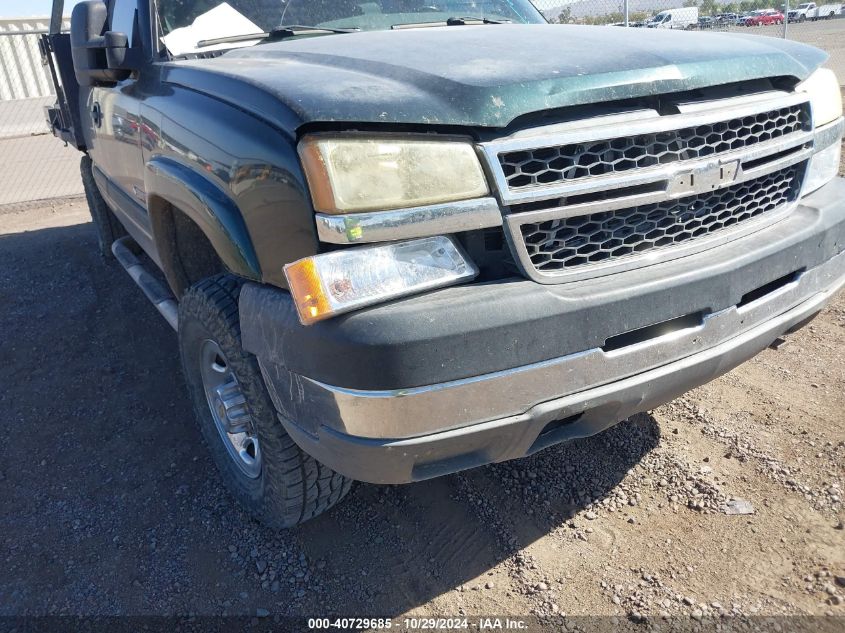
116,45
93,49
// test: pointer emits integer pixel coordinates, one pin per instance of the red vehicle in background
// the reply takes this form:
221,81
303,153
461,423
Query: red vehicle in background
765,16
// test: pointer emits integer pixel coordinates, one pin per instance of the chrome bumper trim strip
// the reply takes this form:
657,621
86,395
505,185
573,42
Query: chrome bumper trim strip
383,226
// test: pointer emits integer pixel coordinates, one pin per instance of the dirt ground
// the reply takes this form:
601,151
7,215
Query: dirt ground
109,503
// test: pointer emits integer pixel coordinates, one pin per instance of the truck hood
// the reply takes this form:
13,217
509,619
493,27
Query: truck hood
480,76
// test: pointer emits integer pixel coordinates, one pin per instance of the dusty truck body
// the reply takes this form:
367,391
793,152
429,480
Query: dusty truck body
398,241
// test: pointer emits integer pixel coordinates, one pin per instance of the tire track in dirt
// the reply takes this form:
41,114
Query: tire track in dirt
422,544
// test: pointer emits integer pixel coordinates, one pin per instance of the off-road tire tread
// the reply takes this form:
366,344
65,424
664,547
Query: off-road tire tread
295,487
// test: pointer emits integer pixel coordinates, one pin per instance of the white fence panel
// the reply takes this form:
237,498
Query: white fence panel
22,75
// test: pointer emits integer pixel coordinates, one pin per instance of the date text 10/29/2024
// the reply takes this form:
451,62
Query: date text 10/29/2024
418,624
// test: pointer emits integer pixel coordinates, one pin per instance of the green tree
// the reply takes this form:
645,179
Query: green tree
709,7
607,18
615,18
565,15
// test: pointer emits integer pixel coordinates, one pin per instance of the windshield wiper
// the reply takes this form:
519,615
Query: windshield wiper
276,34
462,21
295,29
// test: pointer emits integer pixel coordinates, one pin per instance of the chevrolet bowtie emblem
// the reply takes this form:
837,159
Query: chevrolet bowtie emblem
702,178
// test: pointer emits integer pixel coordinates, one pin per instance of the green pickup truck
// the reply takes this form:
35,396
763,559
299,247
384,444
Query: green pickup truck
402,238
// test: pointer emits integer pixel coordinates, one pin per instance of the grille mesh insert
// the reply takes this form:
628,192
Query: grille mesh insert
552,165
563,244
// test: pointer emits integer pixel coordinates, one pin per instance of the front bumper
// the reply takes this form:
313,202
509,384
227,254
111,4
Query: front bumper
723,307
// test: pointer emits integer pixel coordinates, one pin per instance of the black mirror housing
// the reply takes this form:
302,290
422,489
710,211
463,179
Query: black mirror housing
91,45
117,47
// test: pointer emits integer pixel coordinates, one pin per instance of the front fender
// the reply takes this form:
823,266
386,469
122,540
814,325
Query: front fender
206,204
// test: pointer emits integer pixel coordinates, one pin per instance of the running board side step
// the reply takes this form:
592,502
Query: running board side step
160,296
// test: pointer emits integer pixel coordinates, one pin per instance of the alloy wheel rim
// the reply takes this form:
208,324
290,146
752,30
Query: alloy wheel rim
229,410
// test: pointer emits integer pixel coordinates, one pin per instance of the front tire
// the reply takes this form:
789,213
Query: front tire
266,472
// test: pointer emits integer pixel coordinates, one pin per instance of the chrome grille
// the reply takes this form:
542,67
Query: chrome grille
563,243
543,166
591,197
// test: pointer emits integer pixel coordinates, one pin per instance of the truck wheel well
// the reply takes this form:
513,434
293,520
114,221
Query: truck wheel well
186,254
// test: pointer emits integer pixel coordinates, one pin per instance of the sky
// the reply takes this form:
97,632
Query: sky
30,8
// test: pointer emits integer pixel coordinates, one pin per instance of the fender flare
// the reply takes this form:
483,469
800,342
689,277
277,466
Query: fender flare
207,205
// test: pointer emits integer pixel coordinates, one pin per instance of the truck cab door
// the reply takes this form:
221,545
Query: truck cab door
115,116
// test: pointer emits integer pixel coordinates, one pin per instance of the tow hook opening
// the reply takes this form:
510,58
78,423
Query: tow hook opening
640,335
769,288
554,432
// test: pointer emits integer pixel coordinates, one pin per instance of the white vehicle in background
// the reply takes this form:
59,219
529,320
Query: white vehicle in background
681,18
811,11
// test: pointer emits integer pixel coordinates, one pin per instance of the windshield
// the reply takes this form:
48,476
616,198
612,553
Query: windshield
266,15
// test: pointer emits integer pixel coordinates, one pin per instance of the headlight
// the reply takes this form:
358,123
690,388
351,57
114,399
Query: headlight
825,96
826,103
352,174
326,285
